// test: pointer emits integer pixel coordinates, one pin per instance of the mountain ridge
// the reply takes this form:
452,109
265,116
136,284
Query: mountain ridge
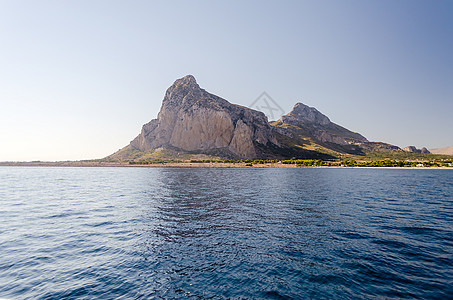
194,121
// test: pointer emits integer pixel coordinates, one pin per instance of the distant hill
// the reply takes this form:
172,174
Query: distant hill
413,149
445,151
194,122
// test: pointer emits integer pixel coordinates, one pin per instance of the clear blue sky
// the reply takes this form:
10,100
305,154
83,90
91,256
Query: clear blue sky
78,79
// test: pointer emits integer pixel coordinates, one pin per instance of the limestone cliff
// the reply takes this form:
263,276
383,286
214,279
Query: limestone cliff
193,122
192,119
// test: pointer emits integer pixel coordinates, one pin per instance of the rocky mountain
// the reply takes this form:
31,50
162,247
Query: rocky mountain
445,151
310,128
413,149
318,126
192,119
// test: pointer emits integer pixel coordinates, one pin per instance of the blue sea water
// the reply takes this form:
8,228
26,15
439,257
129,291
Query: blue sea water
208,233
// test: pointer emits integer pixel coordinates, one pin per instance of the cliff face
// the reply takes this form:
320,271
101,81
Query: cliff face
192,119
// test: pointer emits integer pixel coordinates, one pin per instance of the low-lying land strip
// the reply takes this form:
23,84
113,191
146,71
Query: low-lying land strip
290,163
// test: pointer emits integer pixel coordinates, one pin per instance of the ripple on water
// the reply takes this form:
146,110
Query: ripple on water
225,233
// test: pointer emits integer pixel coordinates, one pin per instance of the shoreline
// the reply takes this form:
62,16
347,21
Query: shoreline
89,164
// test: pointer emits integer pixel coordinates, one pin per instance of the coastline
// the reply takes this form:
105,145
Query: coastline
90,164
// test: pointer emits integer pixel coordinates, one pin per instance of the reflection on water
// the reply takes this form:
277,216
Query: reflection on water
225,233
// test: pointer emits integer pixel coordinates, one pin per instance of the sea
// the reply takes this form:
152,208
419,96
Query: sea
225,233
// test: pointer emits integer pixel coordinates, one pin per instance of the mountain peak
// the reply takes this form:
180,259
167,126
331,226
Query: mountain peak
184,91
188,80
309,122
192,119
413,149
307,114
184,85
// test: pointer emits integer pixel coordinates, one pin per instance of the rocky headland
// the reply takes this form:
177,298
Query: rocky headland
192,121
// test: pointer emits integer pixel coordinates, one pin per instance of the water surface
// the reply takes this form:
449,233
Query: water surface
225,233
